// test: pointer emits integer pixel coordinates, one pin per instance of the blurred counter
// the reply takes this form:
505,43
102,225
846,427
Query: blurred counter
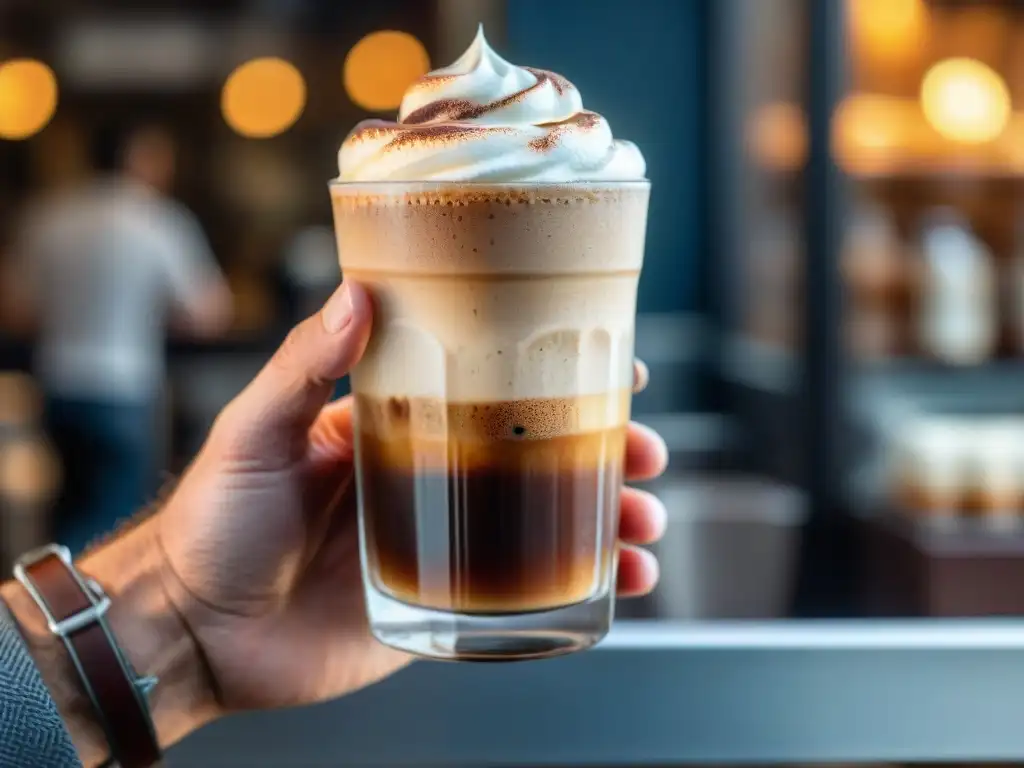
657,693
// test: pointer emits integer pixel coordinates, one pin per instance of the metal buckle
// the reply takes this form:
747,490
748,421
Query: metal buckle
100,603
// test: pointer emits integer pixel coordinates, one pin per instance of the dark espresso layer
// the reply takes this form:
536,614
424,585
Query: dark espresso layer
491,525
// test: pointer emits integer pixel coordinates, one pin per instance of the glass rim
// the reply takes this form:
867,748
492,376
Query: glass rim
445,184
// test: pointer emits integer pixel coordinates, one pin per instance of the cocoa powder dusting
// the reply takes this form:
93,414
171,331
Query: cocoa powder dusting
464,109
587,120
374,129
584,121
435,81
545,142
441,132
559,83
450,110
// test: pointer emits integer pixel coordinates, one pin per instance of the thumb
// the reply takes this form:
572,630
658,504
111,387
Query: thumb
280,405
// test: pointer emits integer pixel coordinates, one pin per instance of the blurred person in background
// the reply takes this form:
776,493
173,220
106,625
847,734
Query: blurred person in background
101,271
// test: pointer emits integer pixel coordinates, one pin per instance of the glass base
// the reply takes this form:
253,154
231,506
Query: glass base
447,636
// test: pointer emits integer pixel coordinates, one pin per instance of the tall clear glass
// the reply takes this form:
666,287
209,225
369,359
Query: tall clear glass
491,408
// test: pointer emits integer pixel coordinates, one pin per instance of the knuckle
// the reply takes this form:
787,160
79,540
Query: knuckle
288,353
226,424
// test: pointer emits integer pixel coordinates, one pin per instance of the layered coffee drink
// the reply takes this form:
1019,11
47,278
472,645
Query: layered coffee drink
500,230
493,399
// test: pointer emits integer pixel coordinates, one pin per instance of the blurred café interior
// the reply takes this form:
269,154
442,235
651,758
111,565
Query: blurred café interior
832,304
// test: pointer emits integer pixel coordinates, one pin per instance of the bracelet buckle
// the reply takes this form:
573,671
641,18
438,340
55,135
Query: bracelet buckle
74,607
100,603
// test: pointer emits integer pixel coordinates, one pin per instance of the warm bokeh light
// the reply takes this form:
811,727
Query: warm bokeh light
869,132
974,30
887,28
381,66
28,98
1009,147
263,98
777,136
965,101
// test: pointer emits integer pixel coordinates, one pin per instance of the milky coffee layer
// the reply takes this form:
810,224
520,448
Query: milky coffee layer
488,295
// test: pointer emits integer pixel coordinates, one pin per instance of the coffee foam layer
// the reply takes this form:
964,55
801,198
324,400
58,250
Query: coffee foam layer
508,295
446,229
542,436
540,458
515,422
426,193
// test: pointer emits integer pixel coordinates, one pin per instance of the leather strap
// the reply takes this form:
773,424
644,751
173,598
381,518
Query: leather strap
74,609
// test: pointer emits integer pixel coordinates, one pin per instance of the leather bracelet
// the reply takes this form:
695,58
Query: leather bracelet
74,608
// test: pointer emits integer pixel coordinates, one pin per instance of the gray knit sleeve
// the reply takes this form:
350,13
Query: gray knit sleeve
32,734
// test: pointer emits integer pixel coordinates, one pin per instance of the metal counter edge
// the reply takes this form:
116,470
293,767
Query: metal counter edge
659,693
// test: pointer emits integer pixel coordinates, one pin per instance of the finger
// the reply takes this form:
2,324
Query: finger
330,438
646,453
641,376
330,464
638,572
284,399
642,517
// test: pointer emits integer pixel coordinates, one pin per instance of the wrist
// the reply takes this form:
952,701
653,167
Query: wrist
148,630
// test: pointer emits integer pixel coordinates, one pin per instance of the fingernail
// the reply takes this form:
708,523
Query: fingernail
337,312
654,439
641,376
658,514
651,566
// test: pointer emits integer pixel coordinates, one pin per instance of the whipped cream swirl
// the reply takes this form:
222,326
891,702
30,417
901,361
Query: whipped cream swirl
483,119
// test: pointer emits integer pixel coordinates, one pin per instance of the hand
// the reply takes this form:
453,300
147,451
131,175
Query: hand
261,534
244,590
